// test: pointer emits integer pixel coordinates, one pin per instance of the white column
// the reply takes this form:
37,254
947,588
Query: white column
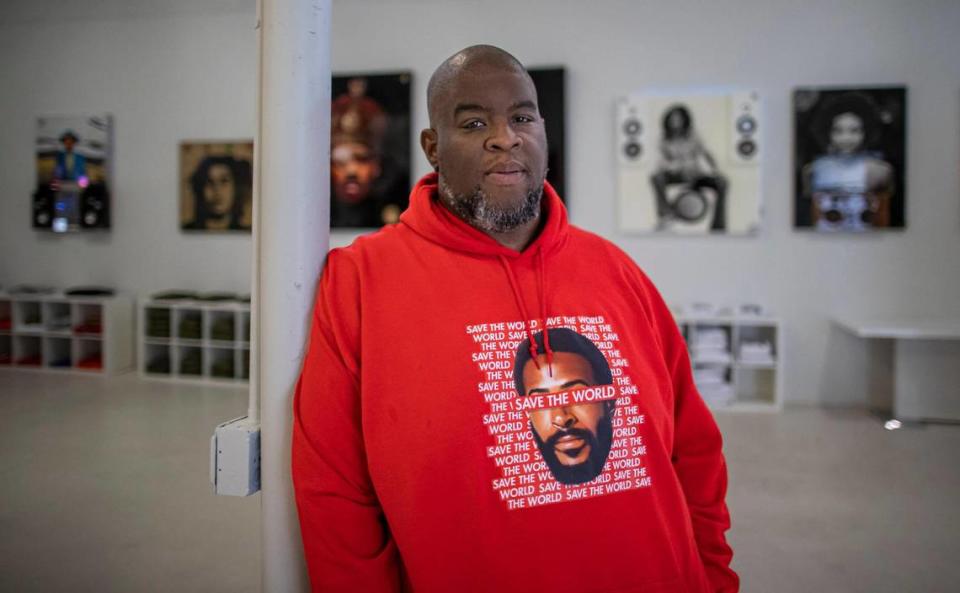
291,237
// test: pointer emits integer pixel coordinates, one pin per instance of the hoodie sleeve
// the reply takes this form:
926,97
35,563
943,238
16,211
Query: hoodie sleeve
345,539
697,452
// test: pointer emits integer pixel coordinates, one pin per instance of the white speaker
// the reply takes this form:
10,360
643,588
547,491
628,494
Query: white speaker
745,127
631,133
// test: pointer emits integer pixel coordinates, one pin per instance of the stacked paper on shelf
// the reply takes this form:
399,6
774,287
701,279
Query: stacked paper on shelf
712,385
756,352
710,345
709,376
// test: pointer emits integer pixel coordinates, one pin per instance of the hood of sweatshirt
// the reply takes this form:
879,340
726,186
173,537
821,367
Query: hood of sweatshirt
427,217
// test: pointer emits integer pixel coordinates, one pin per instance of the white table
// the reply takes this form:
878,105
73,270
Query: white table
926,362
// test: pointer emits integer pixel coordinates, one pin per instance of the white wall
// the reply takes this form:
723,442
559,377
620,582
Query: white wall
189,73
165,77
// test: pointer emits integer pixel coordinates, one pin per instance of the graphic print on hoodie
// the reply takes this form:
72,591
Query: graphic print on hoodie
562,421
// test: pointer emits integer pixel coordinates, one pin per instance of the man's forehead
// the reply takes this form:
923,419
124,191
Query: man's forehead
474,86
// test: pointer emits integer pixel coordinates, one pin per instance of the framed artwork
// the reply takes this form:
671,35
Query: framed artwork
850,158
73,160
216,186
551,97
370,149
689,162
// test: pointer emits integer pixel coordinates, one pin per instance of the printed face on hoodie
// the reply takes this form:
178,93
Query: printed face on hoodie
574,440
489,145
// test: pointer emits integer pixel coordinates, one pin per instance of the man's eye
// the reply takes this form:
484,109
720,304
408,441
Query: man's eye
473,124
524,119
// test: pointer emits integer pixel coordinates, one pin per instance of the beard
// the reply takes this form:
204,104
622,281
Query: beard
582,472
477,210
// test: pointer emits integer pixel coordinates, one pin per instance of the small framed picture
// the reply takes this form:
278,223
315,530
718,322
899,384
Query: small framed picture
73,160
551,97
369,149
216,186
849,145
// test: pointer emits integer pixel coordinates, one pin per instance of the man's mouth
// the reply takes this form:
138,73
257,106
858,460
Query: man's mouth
570,445
511,173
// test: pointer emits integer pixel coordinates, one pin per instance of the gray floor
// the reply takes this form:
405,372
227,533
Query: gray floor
103,487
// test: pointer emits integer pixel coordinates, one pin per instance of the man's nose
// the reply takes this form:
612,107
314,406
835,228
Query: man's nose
562,418
503,137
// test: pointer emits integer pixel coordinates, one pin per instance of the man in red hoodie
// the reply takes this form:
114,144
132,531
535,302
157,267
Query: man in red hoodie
415,463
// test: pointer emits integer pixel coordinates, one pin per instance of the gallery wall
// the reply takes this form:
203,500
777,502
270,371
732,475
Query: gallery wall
187,71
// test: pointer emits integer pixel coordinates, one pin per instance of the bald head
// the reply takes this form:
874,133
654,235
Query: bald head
487,142
465,60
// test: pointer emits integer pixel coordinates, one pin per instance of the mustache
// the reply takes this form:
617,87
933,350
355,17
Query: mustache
580,433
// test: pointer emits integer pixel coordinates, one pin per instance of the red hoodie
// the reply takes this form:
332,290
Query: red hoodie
417,464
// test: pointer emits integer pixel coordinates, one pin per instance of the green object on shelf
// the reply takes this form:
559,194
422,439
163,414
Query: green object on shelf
217,297
222,368
159,366
222,329
158,323
175,295
192,363
190,326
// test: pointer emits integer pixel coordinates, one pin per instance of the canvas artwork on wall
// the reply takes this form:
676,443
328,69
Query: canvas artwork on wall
551,97
73,160
689,162
369,149
849,145
216,186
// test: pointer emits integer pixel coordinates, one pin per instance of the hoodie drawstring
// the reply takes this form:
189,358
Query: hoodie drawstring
543,311
521,304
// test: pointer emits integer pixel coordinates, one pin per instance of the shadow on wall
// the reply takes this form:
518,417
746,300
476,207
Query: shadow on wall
857,372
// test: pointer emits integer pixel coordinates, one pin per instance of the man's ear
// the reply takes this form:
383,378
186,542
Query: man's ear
428,142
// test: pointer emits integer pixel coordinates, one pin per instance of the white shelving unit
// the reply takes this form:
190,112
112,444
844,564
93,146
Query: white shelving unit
736,360
195,341
61,333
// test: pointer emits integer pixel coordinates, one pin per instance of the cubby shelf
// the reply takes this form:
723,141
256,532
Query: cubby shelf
736,360
62,333
194,341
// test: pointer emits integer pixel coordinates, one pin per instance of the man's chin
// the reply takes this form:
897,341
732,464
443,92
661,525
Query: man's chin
351,196
507,197
580,458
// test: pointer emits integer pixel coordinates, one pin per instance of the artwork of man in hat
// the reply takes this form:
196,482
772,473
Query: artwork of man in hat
70,166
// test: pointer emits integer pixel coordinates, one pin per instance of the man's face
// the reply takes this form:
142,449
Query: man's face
353,169
490,146
68,143
218,191
847,133
574,439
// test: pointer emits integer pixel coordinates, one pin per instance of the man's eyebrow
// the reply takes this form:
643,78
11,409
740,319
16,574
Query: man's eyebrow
528,104
467,107
564,387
